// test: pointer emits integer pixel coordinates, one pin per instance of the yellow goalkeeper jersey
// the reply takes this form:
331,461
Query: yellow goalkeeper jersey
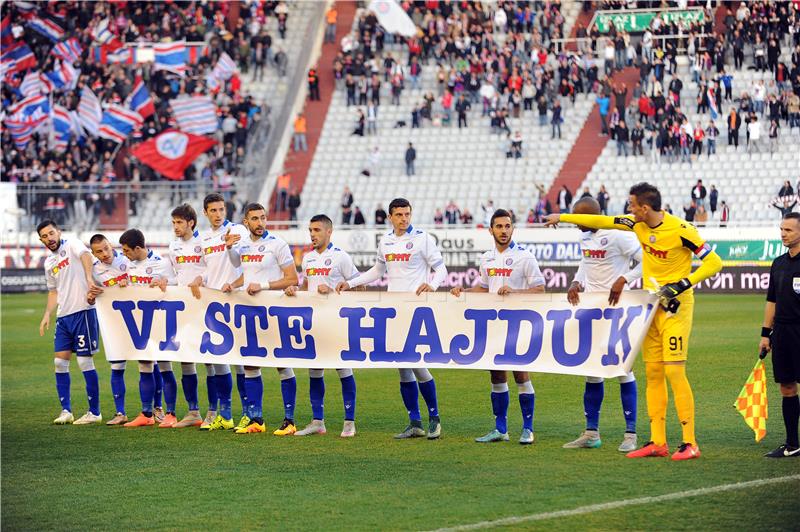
667,248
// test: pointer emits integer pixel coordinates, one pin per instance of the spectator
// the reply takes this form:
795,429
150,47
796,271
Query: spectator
697,140
438,217
773,136
603,198
586,193
699,193
785,204
372,119
300,129
786,189
313,85
556,120
602,107
466,217
713,195
281,61
516,145
415,113
359,130
462,106
689,212
487,209
754,133
701,216
330,24
541,106
564,200
358,217
452,213
712,132
346,205
373,162
294,203
724,214
282,192
637,136
622,136
410,157
734,123
380,215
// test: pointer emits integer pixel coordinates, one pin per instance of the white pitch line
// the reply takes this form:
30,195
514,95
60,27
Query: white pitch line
619,504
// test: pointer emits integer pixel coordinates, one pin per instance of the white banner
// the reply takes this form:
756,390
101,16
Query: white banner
522,332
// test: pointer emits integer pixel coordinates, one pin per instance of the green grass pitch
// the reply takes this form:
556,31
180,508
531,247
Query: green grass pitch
99,477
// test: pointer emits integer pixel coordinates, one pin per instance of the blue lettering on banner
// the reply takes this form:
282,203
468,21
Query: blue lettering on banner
515,318
423,317
619,333
249,314
216,326
460,341
377,333
140,336
585,318
289,331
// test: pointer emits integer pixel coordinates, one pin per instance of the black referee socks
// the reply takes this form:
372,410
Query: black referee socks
791,414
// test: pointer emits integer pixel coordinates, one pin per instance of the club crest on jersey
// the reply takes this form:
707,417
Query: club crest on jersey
500,272
123,267
603,241
594,253
262,248
60,266
148,270
509,261
214,249
409,245
657,253
252,258
198,249
796,285
311,272
328,262
398,257
63,253
652,239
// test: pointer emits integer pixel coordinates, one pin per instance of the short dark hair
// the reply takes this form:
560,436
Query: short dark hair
792,216
500,213
647,194
253,207
398,203
323,219
212,198
45,223
96,239
185,212
133,238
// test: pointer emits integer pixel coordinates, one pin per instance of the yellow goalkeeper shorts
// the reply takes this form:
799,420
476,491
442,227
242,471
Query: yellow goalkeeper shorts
667,339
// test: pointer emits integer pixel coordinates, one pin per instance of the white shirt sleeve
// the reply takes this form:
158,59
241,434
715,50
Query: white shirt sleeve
77,247
484,277
630,248
434,259
580,275
284,255
233,256
533,275
50,278
347,267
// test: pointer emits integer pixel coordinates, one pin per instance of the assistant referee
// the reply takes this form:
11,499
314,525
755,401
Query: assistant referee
781,330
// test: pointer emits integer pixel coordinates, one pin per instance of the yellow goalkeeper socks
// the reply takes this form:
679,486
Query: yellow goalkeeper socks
657,402
684,399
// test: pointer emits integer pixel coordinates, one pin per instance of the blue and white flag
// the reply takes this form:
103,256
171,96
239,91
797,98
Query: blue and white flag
171,57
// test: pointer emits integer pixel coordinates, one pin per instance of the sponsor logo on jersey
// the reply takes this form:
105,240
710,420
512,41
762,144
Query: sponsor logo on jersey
214,249
115,280
318,272
398,257
185,259
60,266
252,258
657,253
141,279
796,285
594,253
500,272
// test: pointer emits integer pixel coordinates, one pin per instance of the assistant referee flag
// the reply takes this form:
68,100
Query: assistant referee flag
752,401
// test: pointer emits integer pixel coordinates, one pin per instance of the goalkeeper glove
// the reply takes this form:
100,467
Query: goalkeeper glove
673,290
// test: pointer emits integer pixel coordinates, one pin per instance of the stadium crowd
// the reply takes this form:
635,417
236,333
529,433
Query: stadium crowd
101,32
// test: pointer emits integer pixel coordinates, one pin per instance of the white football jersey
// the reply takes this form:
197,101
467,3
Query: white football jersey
607,256
408,259
187,259
111,274
64,273
330,267
263,259
151,268
516,267
219,269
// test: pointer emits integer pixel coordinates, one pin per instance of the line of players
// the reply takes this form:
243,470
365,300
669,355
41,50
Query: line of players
231,256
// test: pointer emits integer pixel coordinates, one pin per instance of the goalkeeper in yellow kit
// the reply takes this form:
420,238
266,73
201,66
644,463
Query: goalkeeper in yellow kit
669,245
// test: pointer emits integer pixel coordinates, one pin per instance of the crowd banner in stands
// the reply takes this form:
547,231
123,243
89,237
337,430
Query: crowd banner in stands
638,20
523,332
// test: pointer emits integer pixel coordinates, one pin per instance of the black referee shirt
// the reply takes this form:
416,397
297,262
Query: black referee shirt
784,289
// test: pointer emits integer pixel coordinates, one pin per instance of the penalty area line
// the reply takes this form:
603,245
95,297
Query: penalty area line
619,504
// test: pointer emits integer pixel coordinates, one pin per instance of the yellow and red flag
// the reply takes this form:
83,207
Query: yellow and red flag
752,401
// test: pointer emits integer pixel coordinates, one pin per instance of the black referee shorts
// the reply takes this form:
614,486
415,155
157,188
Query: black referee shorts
786,352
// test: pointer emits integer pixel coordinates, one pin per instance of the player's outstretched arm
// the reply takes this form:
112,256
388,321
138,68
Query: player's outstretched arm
598,221
369,276
711,265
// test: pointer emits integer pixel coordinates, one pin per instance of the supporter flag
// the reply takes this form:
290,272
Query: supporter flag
46,27
222,71
31,84
63,76
89,112
25,8
712,104
392,17
62,127
6,33
29,106
118,123
140,100
75,125
195,114
104,36
170,56
69,50
17,58
23,126
752,401
171,152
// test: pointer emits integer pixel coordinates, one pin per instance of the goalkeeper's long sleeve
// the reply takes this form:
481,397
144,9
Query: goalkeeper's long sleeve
711,264
598,221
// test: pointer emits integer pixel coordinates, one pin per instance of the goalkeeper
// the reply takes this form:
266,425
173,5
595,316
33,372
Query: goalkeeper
668,244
